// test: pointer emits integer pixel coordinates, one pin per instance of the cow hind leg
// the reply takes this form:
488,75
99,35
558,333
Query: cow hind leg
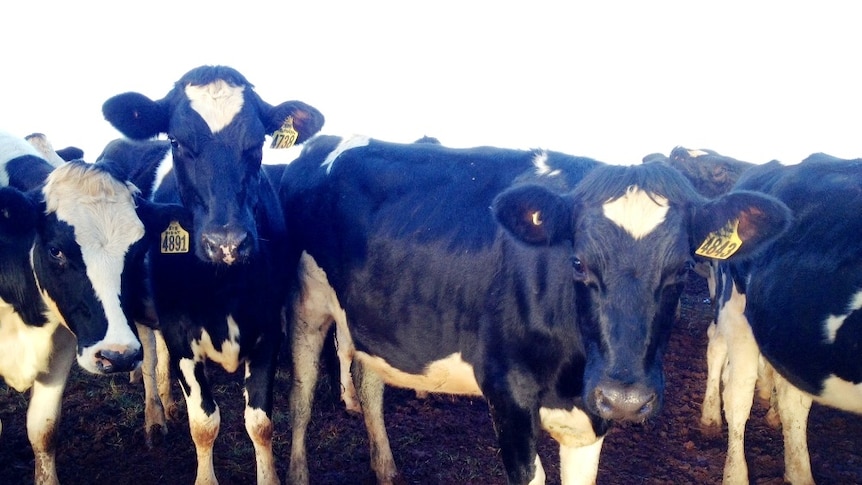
716,359
154,412
370,389
793,408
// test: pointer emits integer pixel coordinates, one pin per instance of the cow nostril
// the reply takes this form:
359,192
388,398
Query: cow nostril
110,361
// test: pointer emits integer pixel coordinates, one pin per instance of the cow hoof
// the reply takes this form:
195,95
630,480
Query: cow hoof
710,430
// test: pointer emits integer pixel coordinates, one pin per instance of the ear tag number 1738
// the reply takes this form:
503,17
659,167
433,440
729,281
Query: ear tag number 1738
174,239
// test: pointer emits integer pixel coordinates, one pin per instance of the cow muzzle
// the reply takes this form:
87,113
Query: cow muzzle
111,359
616,401
226,247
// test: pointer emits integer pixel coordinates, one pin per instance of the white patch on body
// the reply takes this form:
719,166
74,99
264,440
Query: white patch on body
540,161
834,322
228,356
450,375
217,102
354,141
841,394
636,211
101,210
25,351
12,147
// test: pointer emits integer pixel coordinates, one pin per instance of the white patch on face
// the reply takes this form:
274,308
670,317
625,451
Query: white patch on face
540,161
217,102
164,167
834,322
450,375
101,210
228,356
636,211
355,141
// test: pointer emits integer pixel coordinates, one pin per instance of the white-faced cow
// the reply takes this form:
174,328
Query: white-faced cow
71,252
506,274
798,304
220,280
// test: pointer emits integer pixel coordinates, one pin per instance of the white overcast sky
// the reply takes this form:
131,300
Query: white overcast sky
756,80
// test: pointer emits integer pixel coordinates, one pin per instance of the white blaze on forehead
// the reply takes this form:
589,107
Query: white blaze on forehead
217,102
636,211
540,161
355,141
101,210
834,322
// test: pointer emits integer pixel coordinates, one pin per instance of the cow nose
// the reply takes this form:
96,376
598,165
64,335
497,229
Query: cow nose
226,246
620,402
109,361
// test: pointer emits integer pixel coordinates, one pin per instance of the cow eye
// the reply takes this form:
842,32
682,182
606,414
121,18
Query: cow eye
579,269
174,142
57,255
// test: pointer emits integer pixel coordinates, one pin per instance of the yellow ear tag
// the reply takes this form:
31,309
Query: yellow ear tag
175,239
285,136
721,244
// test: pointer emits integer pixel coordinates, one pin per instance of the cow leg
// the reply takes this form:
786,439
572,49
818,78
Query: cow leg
204,416
43,413
579,465
346,350
716,359
516,426
308,335
163,376
154,412
766,392
370,389
741,379
793,408
260,375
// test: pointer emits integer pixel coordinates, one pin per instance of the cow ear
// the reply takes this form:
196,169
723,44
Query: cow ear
738,225
136,116
158,216
305,120
534,215
18,215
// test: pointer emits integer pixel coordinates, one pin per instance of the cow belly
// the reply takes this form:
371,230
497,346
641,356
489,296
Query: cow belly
841,394
450,375
571,428
25,351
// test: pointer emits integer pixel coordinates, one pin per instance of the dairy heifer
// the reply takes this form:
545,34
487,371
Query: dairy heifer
799,305
220,280
504,274
70,242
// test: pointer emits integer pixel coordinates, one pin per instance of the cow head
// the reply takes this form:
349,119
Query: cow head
216,124
632,232
711,173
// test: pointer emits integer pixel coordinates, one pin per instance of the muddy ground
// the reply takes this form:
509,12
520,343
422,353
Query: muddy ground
438,440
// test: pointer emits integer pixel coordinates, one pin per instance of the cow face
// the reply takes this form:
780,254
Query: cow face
88,232
216,124
632,233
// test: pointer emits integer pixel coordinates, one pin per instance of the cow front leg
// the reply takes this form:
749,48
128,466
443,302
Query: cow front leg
204,417
579,465
260,374
43,413
370,389
516,429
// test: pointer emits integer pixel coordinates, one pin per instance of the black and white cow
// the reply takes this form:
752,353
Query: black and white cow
501,273
798,304
220,280
71,249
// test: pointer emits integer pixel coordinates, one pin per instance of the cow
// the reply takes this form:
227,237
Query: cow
220,280
797,305
544,282
71,251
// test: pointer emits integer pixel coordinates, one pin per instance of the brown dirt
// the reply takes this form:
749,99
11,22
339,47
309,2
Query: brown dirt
438,440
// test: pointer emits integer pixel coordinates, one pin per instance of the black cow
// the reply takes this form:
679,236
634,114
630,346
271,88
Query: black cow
798,304
711,173
71,253
559,318
220,280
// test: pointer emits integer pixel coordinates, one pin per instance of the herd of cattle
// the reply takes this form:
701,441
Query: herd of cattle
548,283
